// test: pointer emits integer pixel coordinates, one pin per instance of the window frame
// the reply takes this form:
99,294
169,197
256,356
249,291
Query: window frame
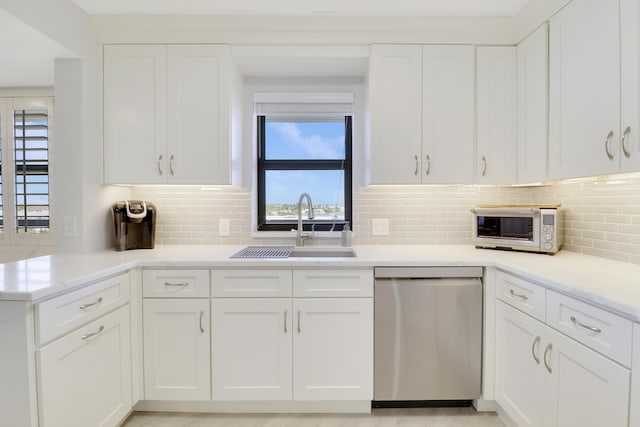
9,234
264,165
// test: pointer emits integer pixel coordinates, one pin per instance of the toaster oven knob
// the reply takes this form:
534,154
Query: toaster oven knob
545,229
548,245
548,236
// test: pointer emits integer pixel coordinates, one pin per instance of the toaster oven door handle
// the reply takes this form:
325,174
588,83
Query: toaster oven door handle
505,212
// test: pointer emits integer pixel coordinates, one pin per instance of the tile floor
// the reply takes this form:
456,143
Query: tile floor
418,417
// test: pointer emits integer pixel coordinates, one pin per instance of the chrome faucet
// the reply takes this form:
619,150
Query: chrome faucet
300,235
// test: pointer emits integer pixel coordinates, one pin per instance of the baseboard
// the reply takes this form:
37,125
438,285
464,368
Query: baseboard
482,405
301,407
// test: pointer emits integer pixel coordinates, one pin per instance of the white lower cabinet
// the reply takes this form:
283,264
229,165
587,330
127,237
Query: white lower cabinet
544,378
294,348
251,348
176,349
84,377
519,380
332,349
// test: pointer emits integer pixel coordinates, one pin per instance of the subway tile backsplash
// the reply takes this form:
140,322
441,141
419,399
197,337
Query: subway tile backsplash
602,217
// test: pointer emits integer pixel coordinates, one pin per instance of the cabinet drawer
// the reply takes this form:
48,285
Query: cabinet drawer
67,312
604,332
521,294
175,284
333,283
251,283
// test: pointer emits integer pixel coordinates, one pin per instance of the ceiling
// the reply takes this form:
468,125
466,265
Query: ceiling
305,7
27,56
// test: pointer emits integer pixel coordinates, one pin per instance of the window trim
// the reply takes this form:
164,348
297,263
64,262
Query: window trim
9,234
263,165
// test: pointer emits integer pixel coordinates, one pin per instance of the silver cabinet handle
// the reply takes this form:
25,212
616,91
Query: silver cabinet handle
181,284
587,327
299,314
286,312
547,351
201,317
171,165
160,165
625,135
428,171
100,329
84,306
607,142
484,166
416,171
533,350
522,297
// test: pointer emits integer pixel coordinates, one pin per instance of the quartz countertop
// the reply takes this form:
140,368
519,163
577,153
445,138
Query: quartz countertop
608,283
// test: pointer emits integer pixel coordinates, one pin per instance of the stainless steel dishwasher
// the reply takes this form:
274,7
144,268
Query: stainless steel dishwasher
428,335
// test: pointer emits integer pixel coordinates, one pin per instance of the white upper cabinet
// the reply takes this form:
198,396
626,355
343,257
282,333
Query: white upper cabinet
584,123
396,114
496,115
135,117
167,114
533,66
630,85
447,114
421,114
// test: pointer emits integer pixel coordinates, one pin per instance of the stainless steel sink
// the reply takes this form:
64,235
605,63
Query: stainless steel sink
312,252
273,252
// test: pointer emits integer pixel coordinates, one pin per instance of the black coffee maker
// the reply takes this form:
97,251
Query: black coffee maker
135,224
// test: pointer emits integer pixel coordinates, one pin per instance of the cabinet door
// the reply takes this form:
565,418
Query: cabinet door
396,117
198,114
533,68
84,378
496,115
333,349
582,387
176,349
135,114
252,349
447,114
519,374
584,52
630,84
634,415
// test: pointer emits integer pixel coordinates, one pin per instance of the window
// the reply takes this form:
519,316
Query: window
24,167
304,154
31,142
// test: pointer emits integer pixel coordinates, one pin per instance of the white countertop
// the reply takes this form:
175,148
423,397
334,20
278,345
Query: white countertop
611,284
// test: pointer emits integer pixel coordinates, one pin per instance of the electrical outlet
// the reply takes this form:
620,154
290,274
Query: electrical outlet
69,226
380,227
224,227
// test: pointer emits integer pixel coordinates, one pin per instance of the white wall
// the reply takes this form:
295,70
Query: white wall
602,217
77,172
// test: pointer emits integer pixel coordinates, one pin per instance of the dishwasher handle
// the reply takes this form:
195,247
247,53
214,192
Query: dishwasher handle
426,272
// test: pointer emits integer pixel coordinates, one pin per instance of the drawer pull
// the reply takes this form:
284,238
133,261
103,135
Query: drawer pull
182,284
522,297
547,351
533,350
587,327
84,337
285,321
84,306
